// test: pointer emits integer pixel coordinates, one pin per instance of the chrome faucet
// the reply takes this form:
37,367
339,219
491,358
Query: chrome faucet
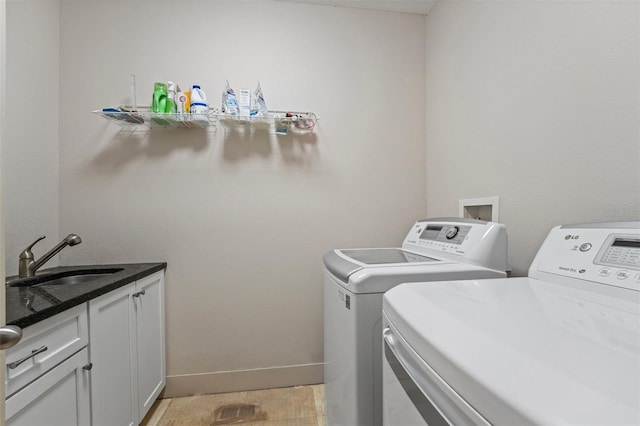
28,266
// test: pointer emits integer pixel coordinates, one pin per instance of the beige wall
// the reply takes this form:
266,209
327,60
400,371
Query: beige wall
537,102
30,154
243,221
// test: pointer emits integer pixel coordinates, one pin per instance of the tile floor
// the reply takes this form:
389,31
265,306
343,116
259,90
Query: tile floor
294,406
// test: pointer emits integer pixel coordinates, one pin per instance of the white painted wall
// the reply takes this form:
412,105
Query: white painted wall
537,102
243,221
30,151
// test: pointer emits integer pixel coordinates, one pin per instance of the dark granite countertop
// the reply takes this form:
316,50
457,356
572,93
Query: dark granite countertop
29,305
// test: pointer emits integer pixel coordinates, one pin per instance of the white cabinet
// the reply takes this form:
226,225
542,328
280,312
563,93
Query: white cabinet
150,333
127,350
101,363
47,373
112,373
58,398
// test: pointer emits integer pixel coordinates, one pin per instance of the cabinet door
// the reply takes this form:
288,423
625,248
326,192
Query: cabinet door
149,312
112,351
58,398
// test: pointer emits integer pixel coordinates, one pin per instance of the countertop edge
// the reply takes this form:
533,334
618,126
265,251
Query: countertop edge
149,268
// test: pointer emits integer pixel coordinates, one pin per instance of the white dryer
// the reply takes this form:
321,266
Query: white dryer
561,346
354,283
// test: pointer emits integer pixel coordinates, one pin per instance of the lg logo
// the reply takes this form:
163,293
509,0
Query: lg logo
571,237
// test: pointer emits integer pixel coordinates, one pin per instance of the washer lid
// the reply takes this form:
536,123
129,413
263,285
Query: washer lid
344,263
381,256
339,266
525,351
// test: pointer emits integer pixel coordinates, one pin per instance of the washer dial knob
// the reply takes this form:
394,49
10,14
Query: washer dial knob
452,232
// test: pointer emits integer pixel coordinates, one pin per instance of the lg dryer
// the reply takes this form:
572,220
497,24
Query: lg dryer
559,347
354,282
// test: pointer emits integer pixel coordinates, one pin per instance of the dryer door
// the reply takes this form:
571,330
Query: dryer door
414,394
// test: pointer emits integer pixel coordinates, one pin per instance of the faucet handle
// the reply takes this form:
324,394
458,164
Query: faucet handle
26,253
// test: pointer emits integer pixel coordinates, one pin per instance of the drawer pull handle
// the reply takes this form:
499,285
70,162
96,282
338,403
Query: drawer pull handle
138,294
88,367
34,352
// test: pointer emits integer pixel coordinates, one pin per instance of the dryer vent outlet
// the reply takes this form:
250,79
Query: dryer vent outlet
480,208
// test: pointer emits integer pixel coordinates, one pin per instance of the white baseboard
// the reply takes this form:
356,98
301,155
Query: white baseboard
243,380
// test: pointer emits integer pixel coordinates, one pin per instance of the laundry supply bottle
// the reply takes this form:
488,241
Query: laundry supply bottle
171,95
181,100
199,105
186,106
187,103
159,101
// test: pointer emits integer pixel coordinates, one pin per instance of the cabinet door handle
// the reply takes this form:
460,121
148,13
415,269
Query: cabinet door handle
88,367
138,294
34,352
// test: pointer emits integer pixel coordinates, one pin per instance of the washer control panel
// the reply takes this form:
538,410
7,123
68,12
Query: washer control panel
450,234
608,255
442,237
456,236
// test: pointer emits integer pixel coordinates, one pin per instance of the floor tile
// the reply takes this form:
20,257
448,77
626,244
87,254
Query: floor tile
293,406
318,393
155,413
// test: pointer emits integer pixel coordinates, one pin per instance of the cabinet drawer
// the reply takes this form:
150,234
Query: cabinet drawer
59,397
62,335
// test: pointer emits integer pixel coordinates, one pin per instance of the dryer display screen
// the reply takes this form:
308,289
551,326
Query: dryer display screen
623,242
623,251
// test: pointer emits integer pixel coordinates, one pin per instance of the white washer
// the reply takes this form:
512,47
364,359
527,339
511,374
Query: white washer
559,347
354,282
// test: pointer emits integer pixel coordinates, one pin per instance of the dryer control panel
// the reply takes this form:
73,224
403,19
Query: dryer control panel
608,255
